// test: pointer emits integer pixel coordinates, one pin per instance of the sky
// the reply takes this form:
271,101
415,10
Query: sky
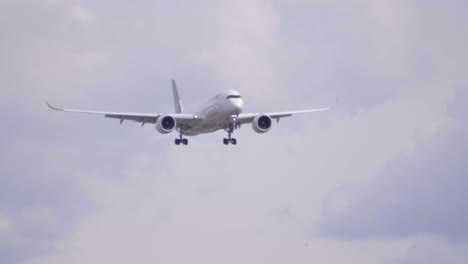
381,179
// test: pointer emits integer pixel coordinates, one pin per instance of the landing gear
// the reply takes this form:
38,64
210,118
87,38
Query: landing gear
229,140
181,139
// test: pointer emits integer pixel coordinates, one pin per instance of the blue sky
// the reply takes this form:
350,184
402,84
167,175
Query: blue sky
380,180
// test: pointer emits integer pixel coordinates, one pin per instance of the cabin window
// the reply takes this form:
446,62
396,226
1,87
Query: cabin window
233,96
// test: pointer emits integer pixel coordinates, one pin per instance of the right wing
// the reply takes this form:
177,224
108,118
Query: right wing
247,118
143,118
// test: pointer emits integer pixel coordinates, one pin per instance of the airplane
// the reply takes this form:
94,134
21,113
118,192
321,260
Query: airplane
223,111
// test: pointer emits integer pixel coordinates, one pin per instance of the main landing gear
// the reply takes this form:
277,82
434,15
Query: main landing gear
229,140
181,139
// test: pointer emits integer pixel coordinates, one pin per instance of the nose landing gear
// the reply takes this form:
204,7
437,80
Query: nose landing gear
229,140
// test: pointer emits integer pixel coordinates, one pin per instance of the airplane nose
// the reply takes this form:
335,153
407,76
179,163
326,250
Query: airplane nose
238,105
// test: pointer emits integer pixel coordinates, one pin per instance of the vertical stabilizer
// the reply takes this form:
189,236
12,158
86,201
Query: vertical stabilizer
177,103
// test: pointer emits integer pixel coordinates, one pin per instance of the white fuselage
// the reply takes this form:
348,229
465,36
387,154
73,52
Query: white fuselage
216,113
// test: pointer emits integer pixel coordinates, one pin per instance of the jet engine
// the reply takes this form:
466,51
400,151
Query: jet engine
165,124
261,124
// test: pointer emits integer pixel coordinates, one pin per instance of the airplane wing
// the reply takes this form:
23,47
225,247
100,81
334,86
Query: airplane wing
143,118
247,118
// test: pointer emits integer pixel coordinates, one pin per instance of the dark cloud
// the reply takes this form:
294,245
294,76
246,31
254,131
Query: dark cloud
420,192
432,250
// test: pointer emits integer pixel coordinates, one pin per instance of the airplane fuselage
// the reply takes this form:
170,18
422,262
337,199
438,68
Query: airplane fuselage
216,113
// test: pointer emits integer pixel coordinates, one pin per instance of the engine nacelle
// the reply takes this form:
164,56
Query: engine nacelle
165,124
262,124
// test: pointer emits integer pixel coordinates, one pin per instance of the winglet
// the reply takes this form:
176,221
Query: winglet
336,104
51,107
177,102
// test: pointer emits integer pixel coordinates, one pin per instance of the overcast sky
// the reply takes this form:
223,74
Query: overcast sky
382,179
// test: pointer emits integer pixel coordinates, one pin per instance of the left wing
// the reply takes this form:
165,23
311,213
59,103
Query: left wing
182,119
247,118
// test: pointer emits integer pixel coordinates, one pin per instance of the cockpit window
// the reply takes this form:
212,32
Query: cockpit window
233,96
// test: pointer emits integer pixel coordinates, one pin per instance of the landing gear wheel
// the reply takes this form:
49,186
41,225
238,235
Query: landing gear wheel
230,129
181,139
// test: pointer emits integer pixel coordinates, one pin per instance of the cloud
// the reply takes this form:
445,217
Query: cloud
419,192
122,193
432,250
81,14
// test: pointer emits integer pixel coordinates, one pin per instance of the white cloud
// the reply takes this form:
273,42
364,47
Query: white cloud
243,55
81,14
97,191
6,226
